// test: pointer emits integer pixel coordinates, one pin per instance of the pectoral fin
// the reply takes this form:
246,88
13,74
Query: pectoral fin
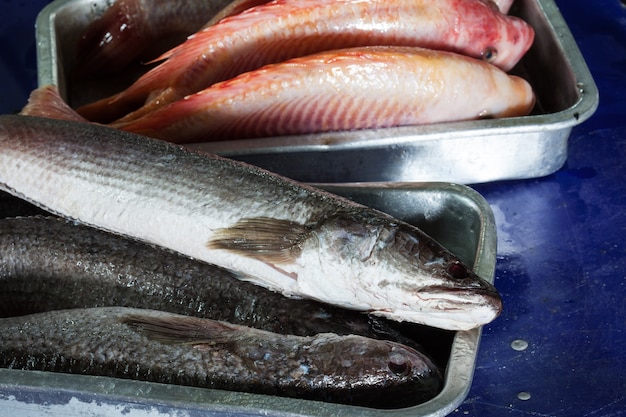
270,240
176,329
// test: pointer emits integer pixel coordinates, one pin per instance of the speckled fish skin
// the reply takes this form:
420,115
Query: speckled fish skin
268,229
357,88
163,347
245,41
49,263
129,29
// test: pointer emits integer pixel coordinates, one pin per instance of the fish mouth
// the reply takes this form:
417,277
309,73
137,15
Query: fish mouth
457,309
460,298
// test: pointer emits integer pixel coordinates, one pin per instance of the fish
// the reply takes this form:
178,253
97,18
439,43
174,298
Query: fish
131,30
286,236
162,347
48,263
347,89
245,41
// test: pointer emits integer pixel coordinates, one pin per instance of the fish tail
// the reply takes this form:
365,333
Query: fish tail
109,108
151,120
47,102
122,104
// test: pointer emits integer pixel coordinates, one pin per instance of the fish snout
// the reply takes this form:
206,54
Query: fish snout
516,39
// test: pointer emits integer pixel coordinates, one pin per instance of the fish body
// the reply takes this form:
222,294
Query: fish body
52,264
162,347
246,41
268,229
356,88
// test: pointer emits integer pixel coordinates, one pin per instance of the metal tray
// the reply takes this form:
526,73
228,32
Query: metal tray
455,215
463,152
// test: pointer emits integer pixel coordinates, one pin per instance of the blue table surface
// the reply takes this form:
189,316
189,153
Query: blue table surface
561,262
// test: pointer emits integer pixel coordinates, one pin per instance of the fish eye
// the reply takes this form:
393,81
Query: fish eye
489,54
399,365
457,270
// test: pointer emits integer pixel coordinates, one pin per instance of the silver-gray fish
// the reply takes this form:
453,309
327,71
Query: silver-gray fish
48,263
270,230
163,347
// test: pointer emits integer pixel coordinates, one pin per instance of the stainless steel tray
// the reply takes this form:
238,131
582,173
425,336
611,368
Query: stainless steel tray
455,215
464,152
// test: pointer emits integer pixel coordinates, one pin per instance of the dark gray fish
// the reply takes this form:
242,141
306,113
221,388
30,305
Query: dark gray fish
51,264
162,347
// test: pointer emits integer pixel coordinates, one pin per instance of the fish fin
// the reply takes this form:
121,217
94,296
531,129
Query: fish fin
175,329
263,238
46,101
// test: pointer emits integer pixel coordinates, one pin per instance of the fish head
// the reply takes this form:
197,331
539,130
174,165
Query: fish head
501,40
395,270
377,373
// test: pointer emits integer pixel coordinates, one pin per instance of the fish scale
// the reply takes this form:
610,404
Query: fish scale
220,211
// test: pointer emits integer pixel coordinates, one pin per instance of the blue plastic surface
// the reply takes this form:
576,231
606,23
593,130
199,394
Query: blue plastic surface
561,259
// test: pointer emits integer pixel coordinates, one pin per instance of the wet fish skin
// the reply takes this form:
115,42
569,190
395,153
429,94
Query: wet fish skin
166,348
270,230
245,41
48,263
347,89
129,29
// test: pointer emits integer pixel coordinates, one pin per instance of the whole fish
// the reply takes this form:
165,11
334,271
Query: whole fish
246,41
268,229
167,348
356,88
49,263
129,30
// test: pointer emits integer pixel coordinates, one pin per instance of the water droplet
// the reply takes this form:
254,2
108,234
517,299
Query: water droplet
519,345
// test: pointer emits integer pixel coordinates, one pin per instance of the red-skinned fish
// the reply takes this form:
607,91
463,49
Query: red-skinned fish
246,41
357,88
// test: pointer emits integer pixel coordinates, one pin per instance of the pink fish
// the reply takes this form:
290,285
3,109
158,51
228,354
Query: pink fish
368,87
283,29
